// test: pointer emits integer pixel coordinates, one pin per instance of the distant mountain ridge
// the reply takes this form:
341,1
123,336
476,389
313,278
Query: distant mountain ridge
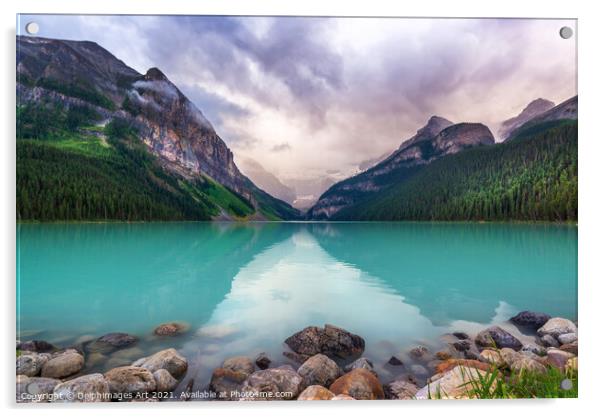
83,74
439,137
533,109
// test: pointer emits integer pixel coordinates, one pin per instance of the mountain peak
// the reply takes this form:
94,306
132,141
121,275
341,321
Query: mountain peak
538,104
437,120
155,74
433,127
533,109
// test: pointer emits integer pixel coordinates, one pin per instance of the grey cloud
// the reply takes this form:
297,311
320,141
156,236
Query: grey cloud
281,147
350,105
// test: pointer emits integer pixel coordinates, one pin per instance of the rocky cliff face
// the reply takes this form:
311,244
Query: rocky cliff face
173,128
439,137
533,109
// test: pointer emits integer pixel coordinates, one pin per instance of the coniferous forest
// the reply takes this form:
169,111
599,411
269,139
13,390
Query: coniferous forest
533,176
70,169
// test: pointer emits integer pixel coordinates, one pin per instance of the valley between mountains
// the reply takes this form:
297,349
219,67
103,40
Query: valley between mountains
98,141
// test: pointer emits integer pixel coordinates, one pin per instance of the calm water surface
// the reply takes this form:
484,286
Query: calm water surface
244,288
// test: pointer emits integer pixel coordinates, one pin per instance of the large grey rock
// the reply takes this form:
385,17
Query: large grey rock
495,336
567,338
165,382
87,388
557,326
168,359
269,384
63,364
130,379
31,363
319,370
400,390
530,319
331,341
36,389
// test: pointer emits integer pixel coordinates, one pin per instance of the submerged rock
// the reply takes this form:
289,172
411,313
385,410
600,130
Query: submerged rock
462,345
331,341
360,384
395,361
110,342
419,352
171,329
530,319
319,370
400,390
63,364
315,393
87,388
556,327
443,355
130,379
38,346
461,335
419,371
268,384
263,361
296,357
495,336
168,359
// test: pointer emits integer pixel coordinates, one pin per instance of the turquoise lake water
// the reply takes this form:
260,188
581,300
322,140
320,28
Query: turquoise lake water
244,288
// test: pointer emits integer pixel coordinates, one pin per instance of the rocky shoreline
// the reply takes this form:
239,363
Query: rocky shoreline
328,366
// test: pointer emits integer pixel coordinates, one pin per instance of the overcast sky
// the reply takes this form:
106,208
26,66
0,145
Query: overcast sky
306,97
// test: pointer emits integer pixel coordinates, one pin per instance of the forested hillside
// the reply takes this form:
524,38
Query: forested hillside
70,169
531,177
